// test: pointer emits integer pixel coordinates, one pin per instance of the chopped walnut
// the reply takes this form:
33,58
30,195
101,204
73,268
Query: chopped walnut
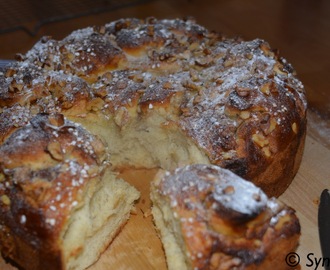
245,115
121,116
5,199
10,72
55,150
167,85
294,127
278,69
95,104
267,50
265,88
229,190
56,120
260,139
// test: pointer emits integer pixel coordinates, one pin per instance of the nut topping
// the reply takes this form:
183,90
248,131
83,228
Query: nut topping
56,120
294,128
5,199
242,92
55,150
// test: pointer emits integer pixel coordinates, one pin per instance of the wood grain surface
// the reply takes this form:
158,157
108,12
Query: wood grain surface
138,247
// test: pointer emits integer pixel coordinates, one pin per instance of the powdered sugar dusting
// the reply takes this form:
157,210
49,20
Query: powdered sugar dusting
227,96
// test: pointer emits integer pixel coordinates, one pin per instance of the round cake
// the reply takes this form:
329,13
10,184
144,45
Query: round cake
171,90
149,93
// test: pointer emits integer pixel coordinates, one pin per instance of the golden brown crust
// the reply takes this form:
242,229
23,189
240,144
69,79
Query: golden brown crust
225,221
239,102
45,167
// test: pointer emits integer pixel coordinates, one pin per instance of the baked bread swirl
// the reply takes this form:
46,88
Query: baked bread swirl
155,93
163,85
61,205
210,218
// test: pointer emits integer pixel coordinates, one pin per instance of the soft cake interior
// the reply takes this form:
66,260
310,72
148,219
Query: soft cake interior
95,222
169,229
145,142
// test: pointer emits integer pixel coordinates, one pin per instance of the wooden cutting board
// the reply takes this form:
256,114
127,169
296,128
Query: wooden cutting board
138,247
